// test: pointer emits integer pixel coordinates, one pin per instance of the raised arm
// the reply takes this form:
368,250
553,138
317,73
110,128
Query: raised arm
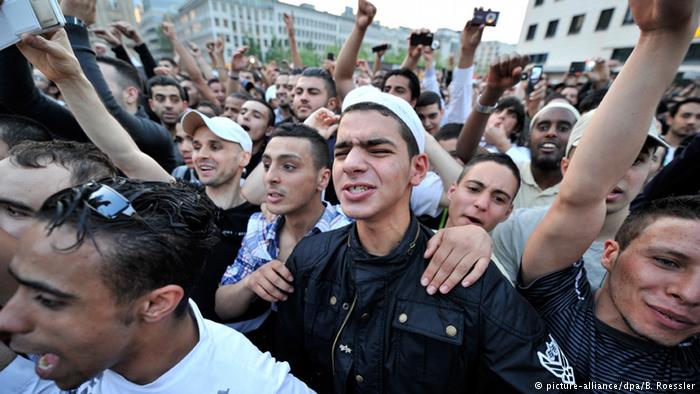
345,66
291,37
204,67
504,72
239,61
614,137
460,105
414,53
55,59
189,64
128,31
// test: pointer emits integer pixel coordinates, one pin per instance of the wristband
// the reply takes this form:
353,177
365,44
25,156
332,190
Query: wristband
484,109
75,21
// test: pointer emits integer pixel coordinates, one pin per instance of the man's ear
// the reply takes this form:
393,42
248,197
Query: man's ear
160,303
131,95
324,176
243,159
451,190
419,168
269,131
565,161
150,104
611,251
332,104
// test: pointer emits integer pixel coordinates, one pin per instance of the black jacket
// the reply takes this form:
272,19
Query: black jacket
358,323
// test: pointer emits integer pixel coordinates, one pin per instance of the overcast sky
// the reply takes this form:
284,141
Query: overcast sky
433,14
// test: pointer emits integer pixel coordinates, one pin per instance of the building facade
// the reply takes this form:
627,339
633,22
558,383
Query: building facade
240,21
487,52
558,32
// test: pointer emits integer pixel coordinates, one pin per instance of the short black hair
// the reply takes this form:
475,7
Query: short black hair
162,80
241,96
210,105
591,100
317,72
674,109
319,147
270,111
213,80
498,158
514,104
681,207
449,131
128,76
404,130
165,242
15,129
428,98
83,160
413,82
169,60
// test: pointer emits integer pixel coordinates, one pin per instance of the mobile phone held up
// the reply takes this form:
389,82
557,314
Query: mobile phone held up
382,47
579,67
534,77
425,39
485,17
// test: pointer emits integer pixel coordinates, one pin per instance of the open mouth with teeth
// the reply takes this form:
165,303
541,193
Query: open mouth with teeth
205,169
245,127
548,147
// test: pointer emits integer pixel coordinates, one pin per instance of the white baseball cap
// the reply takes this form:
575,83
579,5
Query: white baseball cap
582,124
553,105
223,127
399,106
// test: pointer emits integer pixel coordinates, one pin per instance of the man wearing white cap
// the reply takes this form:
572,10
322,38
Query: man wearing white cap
509,238
358,318
221,150
549,134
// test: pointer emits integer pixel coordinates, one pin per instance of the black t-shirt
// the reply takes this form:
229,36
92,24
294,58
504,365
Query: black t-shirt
602,354
255,159
232,223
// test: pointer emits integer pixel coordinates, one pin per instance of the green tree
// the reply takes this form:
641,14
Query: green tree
253,47
309,56
277,51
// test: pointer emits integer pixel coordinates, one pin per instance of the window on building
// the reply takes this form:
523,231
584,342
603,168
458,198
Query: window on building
628,20
693,55
531,30
216,22
228,38
604,19
226,23
551,28
576,24
621,54
539,58
538,2
233,25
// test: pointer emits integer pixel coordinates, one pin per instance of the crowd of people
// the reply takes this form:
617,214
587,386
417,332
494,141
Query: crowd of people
193,224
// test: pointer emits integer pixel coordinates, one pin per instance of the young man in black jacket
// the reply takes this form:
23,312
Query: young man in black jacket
358,319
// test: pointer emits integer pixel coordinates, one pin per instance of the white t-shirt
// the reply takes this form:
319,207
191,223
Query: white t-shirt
222,362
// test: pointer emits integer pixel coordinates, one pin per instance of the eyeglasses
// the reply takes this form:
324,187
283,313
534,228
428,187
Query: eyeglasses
108,202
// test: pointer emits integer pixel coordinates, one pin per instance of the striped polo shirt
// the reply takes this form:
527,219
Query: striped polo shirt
605,359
